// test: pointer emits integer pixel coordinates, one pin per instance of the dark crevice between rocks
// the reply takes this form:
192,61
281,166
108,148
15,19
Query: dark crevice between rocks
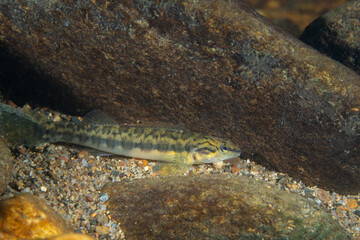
22,83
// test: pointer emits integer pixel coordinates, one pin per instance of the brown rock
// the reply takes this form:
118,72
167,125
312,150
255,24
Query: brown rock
6,163
216,66
28,217
324,196
216,207
299,12
71,236
337,34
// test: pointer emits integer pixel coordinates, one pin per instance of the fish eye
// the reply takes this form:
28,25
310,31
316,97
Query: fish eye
224,148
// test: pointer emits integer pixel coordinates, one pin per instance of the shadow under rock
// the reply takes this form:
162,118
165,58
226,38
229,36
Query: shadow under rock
22,83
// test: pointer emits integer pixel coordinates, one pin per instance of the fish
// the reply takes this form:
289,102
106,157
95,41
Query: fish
176,149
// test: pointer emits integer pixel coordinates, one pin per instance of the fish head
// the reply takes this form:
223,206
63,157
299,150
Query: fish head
214,150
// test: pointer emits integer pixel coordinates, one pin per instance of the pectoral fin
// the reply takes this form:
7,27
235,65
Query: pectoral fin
170,168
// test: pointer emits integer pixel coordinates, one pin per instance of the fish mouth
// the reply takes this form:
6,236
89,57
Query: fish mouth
236,151
233,154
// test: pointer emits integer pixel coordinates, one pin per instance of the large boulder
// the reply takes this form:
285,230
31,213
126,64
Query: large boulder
6,165
216,207
337,34
216,66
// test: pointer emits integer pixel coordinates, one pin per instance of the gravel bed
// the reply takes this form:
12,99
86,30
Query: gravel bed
70,180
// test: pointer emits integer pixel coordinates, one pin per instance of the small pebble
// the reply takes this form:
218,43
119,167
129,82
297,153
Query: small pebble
22,150
324,196
43,188
357,212
83,154
102,229
235,169
352,203
104,197
84,163
102,207
318,201
218,165
89,199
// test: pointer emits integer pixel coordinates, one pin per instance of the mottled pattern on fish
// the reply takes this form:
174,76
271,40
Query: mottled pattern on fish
179,148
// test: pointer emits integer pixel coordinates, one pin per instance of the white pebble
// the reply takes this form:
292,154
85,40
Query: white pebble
43,188
318,201
218,165
104,197
102,207
84,163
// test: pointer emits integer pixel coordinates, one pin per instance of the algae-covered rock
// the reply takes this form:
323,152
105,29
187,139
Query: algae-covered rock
216,66
337,34
6,163
216,207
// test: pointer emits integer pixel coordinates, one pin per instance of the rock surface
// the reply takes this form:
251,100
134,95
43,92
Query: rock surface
337,34
28,217
216,66
300,13
216,207
6,163
71,236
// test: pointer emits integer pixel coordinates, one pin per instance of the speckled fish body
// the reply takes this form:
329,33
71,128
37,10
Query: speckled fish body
179,148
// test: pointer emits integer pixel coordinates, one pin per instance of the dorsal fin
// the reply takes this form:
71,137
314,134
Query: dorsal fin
34,115
160,125
97,117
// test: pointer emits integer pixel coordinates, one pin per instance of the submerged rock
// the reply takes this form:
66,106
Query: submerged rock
70,236
337,34
287,13
28,217
6,163
216,66
216,207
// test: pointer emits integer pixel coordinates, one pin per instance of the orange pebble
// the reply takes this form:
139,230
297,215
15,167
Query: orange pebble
235,169
142,163
352,203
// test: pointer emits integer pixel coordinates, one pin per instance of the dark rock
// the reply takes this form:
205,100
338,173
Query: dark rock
6,164
337,34
216,66
216,207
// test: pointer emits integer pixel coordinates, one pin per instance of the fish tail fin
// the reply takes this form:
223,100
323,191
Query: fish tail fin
21,126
